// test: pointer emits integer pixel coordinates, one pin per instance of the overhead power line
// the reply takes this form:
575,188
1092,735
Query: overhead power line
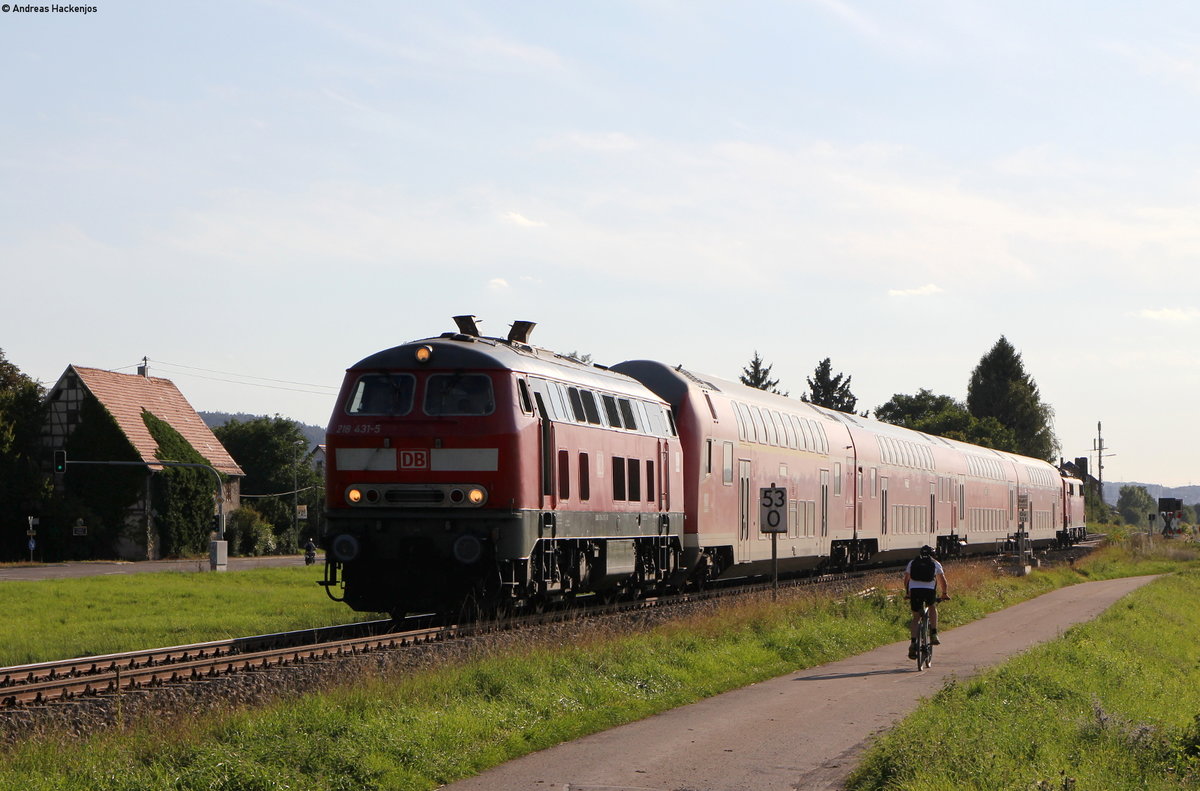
242,379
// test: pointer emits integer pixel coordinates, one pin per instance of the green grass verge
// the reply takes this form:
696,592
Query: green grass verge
422,730
88,616
1112,705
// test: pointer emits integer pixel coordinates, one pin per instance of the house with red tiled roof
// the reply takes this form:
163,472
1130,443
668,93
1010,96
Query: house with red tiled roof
78,405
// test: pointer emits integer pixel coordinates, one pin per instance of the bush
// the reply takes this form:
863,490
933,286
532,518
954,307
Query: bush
248,533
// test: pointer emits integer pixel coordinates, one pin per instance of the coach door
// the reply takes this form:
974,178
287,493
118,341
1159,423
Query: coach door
744,502
824,503
883,506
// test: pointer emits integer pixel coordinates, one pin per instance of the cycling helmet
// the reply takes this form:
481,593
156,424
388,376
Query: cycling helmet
926,550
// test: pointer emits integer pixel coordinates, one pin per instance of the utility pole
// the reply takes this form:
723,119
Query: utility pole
1098,447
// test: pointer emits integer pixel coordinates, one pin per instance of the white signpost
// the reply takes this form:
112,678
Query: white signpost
772,518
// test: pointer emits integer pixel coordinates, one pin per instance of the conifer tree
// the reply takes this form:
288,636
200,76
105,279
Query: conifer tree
832,392
1000,388
758,375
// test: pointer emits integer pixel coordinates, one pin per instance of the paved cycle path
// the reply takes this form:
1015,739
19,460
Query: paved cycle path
805,730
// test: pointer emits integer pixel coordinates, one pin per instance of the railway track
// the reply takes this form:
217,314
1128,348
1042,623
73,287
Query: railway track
114,674
98,677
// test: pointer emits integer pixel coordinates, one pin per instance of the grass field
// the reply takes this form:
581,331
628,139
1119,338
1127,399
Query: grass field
422,730
87,616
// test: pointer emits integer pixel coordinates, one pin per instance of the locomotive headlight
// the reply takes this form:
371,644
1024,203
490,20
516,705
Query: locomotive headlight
424,353
476,496
354,495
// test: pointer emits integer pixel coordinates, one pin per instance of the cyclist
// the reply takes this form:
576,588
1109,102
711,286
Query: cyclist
921,578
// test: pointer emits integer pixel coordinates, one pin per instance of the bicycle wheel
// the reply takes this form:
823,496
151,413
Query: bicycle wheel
922,642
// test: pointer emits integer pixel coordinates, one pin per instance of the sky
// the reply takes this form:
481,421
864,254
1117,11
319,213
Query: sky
256,195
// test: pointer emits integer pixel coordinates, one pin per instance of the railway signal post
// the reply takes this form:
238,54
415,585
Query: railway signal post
772,519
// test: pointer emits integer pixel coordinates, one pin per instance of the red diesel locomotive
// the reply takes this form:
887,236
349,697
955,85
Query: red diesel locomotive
472,469
464,469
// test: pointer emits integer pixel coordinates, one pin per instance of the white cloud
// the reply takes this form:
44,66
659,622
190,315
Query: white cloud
924,291
519,219
1170,315
498,284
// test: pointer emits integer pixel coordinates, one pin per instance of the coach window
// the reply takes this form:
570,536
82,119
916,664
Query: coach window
727,463
635,480
382,394
741,424
618,477
459,394
874,482
759,429
585,477
589,407
837,479
564,475
806,440
610,409
780,434
789,430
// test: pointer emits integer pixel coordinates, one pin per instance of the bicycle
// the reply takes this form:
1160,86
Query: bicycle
924,647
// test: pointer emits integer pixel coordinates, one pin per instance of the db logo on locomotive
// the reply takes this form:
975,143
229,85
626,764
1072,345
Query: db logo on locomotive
414,459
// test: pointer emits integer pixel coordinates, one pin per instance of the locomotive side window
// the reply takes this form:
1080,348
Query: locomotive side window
635,480
649,481
526,400
610,409
564,475
382,394
577,405
459,394
585,478
627,413
589,407
618,477
727,463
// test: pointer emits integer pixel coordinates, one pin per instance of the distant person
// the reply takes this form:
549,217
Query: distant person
921,578
310,553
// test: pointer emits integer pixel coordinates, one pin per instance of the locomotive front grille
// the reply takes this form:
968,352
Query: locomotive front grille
414,496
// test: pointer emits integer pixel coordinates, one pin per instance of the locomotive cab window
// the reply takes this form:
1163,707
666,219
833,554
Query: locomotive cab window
381,394
459,394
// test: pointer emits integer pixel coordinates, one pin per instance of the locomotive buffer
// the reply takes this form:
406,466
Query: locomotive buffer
772,518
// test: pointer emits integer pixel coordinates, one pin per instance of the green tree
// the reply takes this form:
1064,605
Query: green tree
1000,388
274,454
758,375
1135,505
23,485
827,390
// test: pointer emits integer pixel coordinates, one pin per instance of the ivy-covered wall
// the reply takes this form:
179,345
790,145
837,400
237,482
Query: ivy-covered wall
183,496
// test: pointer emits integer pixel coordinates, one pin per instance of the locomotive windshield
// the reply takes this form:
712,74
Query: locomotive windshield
381,394
459,394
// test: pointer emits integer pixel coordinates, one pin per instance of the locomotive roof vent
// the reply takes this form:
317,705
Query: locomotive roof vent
520,331
467,325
